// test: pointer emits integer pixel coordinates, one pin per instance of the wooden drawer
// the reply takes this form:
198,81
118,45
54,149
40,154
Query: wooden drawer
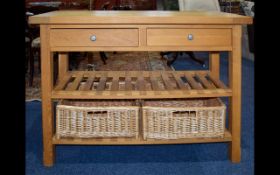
189,37
85,37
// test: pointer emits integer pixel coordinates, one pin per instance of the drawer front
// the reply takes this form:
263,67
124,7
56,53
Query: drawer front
94,37
189,37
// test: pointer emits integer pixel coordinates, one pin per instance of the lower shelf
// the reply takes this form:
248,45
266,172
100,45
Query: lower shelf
139,85
136,141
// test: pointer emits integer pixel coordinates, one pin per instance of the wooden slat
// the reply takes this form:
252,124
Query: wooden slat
141,93
166,81
128,85
63,82
205,82
154,82
115,83
102,82
139,141
88,84
179,81
217,82
192,82
140,81
76,83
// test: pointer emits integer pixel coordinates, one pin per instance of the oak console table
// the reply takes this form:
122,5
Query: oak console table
74,31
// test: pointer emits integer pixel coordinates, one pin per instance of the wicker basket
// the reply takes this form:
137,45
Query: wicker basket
174,119
89,119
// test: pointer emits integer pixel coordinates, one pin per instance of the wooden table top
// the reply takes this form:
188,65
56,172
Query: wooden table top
138,17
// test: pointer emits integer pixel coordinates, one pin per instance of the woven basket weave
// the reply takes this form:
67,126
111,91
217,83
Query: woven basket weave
174,119
89,119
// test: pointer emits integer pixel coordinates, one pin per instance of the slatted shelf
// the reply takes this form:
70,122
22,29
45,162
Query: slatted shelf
136,141
139,85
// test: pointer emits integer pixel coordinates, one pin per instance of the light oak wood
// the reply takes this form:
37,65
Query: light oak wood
211,89
217,82
205,82
166,76
166,81
178,37
154,83
63,81
214,64
142,36
138,17
115,83
140,83
235,100
192,81
67,31
102,83
88,84
145,74
141,26
47,106
63,63
104,37
128,85
137,141
179,81
164,94
140,48
74,85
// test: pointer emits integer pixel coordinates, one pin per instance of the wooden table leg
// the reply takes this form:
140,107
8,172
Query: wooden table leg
63,64
214,64
235,100
47,106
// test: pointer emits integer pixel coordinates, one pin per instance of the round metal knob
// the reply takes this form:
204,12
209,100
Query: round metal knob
190,37
93,38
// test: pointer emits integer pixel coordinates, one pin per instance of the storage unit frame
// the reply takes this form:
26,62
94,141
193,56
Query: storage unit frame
68,31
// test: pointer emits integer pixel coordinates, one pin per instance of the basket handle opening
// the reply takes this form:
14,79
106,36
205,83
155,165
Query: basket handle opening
97,112
191,113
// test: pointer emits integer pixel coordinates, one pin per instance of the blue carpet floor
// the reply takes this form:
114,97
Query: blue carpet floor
192,159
